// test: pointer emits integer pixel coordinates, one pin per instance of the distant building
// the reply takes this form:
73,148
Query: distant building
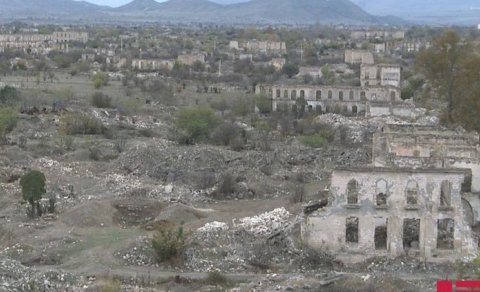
190,59
358,57
376,34
151,64
315,72
380,75
259,46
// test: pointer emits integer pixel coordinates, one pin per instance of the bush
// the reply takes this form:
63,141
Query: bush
263,104
168,243
196,124
33,187
225,134
8,95
227,186
8,121
216,279
101,100
80,124
100,79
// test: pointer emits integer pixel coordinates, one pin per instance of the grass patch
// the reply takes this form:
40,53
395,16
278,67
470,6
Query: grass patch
314,141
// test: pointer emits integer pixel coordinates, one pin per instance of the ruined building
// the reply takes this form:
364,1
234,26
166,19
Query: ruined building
392,212
328,99
358,57
259,46
151,64
40,43
377,34
380,75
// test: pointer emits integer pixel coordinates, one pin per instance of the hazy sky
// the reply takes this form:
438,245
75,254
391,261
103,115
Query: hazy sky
116,3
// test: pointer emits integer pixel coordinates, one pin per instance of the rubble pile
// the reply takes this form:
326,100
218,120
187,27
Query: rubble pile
213,227
265,224
16,277
139,254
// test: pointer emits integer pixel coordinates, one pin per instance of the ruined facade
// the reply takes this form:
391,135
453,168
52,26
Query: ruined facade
358,57
380,75
324,99
374,34
151,64
416,146
259,46
42,42
392,212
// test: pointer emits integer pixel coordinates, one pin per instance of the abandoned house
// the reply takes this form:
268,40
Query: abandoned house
358,57
348,100
380,75
392,212
151,64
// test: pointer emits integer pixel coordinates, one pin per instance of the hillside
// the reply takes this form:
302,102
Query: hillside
188,11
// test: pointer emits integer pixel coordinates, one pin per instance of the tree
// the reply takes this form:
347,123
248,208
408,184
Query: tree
290,70
451,65
33,187
440,64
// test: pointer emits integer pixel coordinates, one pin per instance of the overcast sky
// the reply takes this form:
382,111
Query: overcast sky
116,3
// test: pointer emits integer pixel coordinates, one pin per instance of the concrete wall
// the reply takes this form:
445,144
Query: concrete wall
326,229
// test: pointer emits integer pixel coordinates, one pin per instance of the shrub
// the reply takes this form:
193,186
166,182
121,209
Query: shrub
263,104
168,243
8,95
101,100
225,134
33,187
8,121
196,123
80,124
216,279
100,79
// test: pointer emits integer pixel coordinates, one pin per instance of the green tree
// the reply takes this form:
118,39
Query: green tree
196,123
33,187
441,66
328,75
290,70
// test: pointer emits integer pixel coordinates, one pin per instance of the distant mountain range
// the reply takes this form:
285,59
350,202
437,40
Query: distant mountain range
193,11
426,11
251,12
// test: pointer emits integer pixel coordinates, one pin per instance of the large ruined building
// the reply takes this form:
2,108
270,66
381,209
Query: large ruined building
392,212
329,99
58,40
